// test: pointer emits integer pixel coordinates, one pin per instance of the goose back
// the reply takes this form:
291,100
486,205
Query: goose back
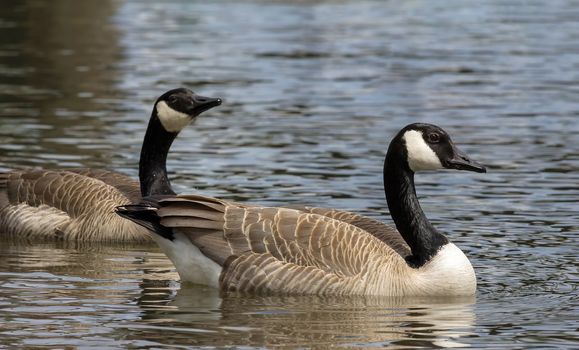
125,184
279,250
378,229
66,205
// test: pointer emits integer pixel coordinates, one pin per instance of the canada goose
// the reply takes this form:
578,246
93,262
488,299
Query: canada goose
279,250
79,204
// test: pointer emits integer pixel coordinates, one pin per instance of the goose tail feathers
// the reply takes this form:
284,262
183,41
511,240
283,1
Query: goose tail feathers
146,216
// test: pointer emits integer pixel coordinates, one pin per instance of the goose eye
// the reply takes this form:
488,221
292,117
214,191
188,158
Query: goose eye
172,99
433,138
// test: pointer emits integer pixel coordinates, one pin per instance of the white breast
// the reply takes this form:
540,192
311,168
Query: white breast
448,273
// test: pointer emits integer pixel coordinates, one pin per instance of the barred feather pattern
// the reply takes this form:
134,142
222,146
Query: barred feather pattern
67,205
387,234
278,250
126,185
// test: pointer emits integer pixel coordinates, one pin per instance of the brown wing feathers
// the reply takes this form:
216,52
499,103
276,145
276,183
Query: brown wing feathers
273,249
288,235
191,212
123,183
72,193
59,204
383,232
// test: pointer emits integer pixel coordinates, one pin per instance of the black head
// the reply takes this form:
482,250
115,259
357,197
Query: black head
178,107
428,147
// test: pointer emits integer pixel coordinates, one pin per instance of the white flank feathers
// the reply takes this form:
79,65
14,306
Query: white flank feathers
191,264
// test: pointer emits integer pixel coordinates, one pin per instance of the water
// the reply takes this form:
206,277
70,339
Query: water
314,90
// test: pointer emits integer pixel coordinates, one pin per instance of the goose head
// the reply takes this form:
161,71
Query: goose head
172,112
178,107
428,147
418,147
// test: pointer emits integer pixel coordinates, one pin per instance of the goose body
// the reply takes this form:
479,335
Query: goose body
254,249
79,204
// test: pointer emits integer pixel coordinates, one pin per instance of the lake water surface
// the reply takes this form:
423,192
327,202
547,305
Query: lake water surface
313,90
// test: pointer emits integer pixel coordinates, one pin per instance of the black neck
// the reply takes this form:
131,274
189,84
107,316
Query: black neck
153,163
417,231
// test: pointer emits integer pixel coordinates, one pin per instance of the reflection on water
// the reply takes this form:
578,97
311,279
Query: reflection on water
313,91
312,321
52,295
107,293
58,61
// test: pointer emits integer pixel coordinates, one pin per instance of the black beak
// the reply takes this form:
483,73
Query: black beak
202,104
461,161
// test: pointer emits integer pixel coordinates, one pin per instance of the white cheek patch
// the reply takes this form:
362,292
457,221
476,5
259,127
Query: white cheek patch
172,120
420,155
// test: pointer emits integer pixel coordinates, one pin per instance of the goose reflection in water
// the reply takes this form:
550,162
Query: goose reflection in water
194,314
